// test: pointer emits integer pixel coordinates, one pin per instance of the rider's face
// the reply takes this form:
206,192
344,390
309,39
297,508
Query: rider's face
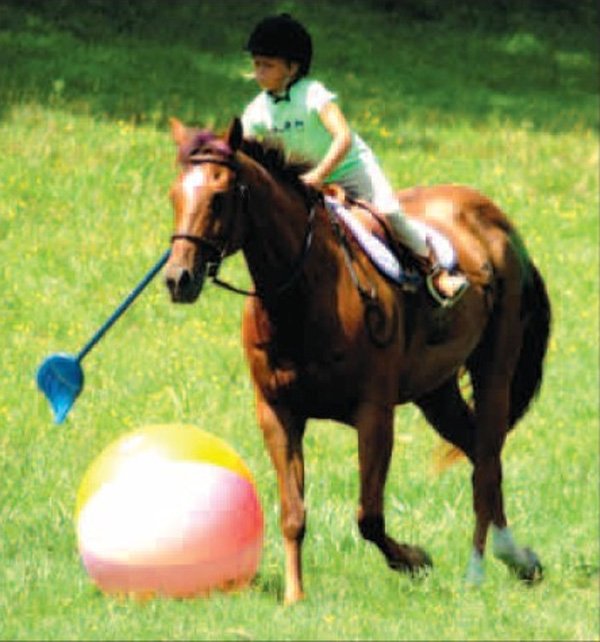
273,74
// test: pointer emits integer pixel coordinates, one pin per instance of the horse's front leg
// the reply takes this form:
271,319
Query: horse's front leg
283,434
374,424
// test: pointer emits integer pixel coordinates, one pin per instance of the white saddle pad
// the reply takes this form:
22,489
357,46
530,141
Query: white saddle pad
379,253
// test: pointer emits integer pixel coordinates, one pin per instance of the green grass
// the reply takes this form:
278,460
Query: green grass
84,172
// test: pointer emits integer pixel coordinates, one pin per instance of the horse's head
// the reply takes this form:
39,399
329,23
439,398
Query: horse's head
206,198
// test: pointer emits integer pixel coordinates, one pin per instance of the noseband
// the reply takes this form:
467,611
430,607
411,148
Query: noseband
218,250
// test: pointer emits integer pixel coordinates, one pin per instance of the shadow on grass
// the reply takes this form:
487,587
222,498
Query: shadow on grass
142,62
270,583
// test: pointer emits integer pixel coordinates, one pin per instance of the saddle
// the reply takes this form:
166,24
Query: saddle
371,232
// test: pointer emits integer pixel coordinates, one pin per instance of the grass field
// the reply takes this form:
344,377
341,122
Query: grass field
85,167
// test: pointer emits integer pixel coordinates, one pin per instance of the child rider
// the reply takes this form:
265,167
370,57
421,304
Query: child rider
303,115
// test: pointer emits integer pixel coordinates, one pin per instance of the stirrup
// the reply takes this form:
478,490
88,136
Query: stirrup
437,296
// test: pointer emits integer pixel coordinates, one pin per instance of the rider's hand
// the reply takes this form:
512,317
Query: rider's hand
313,178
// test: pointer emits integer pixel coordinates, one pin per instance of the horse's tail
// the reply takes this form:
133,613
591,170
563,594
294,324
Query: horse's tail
535,307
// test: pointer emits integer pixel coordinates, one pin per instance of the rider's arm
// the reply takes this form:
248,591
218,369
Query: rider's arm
336,124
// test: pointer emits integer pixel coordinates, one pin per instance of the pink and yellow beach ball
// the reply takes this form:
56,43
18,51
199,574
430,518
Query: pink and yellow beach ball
169,510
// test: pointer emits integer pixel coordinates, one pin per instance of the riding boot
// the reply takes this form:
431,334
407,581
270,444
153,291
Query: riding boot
445,287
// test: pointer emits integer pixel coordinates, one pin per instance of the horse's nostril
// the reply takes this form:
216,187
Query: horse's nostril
178,278
185,278
170,283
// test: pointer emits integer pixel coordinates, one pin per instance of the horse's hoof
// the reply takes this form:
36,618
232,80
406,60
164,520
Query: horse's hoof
475,574
425,564
533,571
413,560
293,598
474,579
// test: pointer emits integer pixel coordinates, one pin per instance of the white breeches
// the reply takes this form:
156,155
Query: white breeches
369,183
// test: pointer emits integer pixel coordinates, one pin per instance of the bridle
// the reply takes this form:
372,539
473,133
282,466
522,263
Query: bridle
216,249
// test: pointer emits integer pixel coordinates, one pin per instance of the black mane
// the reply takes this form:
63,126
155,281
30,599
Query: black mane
288,169
268,153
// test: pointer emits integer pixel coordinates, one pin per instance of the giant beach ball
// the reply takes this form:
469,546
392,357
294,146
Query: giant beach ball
169,510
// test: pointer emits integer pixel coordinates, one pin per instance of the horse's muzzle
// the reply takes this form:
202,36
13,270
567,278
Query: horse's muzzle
184,285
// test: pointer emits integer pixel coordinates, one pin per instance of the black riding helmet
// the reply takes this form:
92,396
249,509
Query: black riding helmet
282,37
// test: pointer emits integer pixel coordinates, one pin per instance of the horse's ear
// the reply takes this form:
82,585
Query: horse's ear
235,134
178,131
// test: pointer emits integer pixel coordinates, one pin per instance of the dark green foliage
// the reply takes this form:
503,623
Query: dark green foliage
144,61
495,13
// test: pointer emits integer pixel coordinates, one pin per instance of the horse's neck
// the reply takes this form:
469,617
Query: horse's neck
278,224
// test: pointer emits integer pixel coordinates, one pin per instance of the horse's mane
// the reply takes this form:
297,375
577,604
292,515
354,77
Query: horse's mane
285,168
268,153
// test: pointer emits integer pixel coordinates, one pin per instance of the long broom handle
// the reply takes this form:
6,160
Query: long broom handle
124,305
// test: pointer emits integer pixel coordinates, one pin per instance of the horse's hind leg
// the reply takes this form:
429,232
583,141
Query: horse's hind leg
283,436
492,399
448,413
374,424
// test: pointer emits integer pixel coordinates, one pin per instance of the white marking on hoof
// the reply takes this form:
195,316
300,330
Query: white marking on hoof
506,549
475,574
523,561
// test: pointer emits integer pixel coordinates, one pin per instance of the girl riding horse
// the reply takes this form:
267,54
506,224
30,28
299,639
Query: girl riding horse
327,336
305,117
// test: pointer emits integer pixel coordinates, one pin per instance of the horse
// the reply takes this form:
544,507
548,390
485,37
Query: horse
327,336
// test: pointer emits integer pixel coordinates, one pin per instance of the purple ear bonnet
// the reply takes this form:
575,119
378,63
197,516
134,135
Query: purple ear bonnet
203,142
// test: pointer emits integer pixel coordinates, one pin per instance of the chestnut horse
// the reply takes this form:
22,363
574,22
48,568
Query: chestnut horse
327,336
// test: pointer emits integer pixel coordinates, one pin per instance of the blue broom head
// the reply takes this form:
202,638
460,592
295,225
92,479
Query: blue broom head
60,378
